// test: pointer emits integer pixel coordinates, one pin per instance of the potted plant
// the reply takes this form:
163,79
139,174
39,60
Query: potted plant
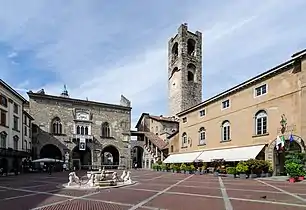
183,168
301,175
242,168
154,167
231,172
171,167
187,169
192,169
253,167
293,169
176,168
164,167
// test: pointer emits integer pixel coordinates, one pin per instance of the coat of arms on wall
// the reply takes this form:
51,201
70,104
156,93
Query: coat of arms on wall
283,123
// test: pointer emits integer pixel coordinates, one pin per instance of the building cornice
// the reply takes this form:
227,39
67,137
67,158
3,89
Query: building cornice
76,101
264,76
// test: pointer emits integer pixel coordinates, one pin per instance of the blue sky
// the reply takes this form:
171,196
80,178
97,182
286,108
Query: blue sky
102,49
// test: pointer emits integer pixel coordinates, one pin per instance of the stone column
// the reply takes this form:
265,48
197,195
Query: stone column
150,162
156,151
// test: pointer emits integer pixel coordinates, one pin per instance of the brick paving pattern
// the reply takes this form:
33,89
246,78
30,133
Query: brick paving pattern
155,190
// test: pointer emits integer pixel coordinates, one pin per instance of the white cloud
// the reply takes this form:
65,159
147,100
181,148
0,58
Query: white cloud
101,55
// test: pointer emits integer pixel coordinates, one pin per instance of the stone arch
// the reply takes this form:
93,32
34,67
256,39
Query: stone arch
270,149
191,43
174,50
137,157
50,151
110,156
4,164
191,71
81,158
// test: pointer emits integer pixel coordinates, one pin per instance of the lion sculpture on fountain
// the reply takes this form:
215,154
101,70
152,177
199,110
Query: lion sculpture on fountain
73,178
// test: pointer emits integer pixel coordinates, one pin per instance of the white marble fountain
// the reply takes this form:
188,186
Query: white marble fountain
99,179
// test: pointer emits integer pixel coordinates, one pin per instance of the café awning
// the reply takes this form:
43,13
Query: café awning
183,157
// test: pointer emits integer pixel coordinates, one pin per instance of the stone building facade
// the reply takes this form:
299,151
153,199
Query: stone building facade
15,139
184,70
152,132
80,132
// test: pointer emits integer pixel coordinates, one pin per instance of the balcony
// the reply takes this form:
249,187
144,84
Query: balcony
77,137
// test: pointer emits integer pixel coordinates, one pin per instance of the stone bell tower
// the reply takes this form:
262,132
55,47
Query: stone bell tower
184,70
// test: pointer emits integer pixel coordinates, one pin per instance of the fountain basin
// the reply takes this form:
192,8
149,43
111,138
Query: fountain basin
99,185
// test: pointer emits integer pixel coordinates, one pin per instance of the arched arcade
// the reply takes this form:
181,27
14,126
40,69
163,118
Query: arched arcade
278,157
110,156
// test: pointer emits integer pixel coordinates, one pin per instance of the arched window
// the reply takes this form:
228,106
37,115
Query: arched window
184,138
78,130
174,71
3,136
56,126
105,130
261,122
202,136
82,130
15,139
174,51
191,47
226,131
190,76
86,130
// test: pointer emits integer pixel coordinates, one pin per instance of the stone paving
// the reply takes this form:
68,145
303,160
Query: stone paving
155,190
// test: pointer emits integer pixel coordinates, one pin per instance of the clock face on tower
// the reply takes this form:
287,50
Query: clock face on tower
82,116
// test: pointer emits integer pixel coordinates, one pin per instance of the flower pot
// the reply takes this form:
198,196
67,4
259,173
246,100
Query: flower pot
242,176
230,175
291,180
252,176
198,173
216,173
263,175
187,172
182,172
301,178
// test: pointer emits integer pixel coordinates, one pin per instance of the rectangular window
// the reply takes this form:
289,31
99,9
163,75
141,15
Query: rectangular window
3,140
16,108
226,133
202,137
184,119
171,148
3,100
261,90
16,123
3,118
261,126
15,144
225,104
25,130
202,113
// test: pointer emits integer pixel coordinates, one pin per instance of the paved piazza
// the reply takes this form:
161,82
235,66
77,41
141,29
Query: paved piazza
155,190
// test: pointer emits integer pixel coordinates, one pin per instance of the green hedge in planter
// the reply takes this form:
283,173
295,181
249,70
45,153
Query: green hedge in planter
231,170
183,167
242,168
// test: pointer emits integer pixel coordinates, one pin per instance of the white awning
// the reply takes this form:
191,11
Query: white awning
183,157
231,154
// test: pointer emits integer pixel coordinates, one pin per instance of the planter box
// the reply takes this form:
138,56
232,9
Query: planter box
182,172
301,178
263,175
216,174
252,176
292,180
187,172
230,175
242,176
